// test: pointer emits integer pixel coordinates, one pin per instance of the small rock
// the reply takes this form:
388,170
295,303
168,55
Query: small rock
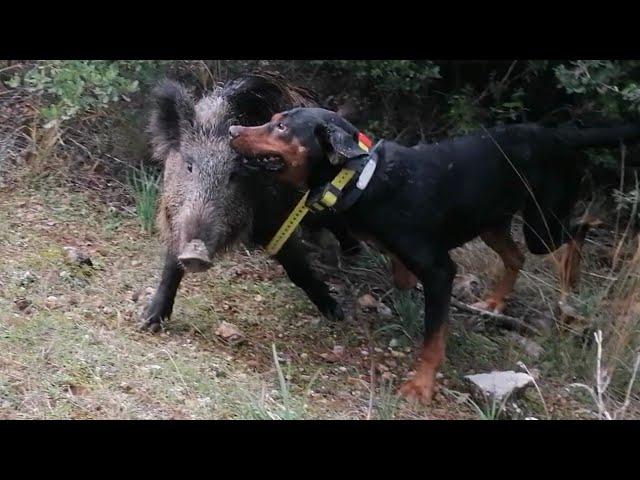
258,298
125,387
230,333
22,303
27,278
568,313
544,324
51,301
531,348
394,342
78,257
499,384
466,288
367,301
335,355
384,311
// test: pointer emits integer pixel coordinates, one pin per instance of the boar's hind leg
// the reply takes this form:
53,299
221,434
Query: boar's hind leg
162,304
292,257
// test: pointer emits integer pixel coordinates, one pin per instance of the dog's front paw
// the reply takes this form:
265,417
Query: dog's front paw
417,391
491,305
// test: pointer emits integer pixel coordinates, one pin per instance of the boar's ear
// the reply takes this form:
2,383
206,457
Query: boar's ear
173,112
338,143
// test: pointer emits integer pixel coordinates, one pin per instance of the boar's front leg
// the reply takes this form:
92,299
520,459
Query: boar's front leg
293,258
161,306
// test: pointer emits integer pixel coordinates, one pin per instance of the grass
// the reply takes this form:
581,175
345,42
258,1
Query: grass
409,308
143,183
80,355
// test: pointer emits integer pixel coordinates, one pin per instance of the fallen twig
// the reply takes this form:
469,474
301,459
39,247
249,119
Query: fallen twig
502,320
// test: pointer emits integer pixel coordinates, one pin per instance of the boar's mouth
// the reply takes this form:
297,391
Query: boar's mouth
271,162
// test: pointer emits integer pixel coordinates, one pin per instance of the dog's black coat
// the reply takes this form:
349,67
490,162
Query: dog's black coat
426,200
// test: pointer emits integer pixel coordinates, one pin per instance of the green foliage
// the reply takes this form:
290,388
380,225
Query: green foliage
386,76
512,109
463,112
607,83
143,183
604,158
409,308
72,87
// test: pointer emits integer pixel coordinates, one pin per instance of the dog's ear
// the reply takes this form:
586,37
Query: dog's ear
338,143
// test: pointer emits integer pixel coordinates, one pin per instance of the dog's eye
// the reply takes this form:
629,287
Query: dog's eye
281,127
190,166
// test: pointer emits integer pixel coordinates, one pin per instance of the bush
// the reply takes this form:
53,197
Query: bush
71,87
610,85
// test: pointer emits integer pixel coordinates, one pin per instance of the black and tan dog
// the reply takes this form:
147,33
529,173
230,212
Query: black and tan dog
421,202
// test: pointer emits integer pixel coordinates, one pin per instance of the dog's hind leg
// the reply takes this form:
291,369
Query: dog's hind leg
571,256
500,241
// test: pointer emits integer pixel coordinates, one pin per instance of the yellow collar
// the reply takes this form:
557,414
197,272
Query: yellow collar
328,198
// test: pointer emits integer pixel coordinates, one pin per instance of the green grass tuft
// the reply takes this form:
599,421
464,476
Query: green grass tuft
144,186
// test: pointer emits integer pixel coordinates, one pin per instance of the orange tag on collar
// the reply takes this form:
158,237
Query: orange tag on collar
364,141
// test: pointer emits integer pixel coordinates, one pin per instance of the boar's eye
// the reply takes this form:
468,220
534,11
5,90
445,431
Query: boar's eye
189,166
281,127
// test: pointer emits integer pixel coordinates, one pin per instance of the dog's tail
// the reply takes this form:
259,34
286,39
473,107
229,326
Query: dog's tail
599,137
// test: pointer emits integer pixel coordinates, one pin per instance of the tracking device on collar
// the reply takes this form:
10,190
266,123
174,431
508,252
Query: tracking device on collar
327,196
340,193
331,195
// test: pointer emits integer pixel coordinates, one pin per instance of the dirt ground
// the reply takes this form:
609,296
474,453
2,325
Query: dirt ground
70,348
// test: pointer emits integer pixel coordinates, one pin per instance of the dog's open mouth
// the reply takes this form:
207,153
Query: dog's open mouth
270,162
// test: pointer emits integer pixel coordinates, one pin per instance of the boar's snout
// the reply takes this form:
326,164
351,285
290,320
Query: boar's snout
235,131
195,257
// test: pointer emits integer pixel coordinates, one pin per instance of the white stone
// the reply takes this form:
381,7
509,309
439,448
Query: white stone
500,384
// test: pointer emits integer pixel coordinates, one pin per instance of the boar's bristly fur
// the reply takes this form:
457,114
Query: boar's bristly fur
208,201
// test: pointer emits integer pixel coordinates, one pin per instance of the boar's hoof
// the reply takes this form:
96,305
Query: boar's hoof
150,326
333,311
151,321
